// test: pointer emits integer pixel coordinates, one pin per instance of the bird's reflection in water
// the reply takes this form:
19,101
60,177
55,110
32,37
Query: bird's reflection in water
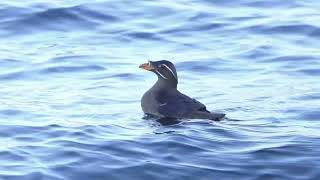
163,121
168,121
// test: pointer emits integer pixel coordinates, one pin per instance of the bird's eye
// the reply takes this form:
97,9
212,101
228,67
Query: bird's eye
159,66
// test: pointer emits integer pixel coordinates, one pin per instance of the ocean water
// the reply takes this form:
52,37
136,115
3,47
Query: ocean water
70,89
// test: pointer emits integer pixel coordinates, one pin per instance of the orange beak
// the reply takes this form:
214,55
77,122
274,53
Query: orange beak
146,66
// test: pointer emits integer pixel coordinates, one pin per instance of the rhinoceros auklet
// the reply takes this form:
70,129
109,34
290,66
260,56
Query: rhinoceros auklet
163,100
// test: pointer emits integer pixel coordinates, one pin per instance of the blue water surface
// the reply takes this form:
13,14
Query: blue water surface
70,89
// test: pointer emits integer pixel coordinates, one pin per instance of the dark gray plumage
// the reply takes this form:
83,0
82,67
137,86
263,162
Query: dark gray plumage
165,101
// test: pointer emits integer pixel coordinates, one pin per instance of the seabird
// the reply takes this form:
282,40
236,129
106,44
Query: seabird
163,99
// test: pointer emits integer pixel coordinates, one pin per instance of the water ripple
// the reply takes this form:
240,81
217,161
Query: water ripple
303,29
71,69
56,19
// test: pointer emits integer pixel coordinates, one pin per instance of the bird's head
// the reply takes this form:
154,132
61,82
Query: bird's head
164,69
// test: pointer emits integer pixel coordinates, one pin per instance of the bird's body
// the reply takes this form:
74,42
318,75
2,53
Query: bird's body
165,101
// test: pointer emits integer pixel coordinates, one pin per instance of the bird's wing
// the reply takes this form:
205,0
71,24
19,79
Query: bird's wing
179,106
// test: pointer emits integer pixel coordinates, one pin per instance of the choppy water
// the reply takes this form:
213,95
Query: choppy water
70,89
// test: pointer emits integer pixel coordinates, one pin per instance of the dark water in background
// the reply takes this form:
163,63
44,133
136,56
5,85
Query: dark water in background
70,89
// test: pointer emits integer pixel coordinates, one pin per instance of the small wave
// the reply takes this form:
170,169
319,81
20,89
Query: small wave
199,66
15,75
32,175
311,97
10,64
292,59
11,112
261,52
202,15
127,76
310,72
71,69
301,29
304,113
194,28
68,58
144,36
210,67
12,156
8,12
256,4
271,4
35,74
310,115
57,19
